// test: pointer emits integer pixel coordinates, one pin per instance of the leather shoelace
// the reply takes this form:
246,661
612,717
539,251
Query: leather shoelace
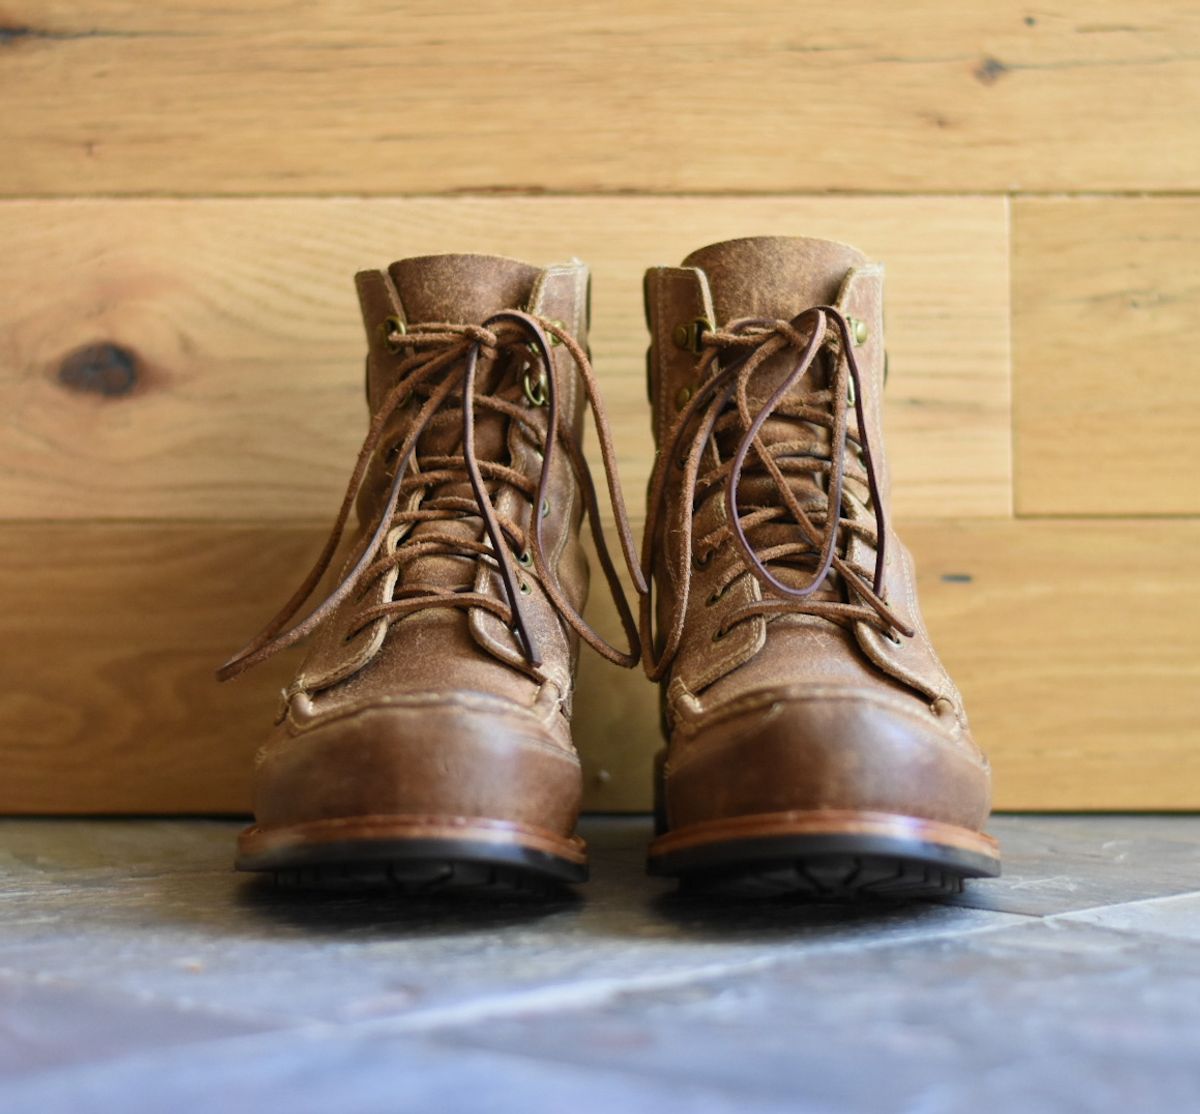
721,407
441,374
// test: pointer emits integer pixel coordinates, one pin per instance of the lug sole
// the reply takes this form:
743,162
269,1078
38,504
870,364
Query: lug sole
411,855
826,855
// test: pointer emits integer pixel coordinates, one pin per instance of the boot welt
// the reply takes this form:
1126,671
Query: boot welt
827,853
413,853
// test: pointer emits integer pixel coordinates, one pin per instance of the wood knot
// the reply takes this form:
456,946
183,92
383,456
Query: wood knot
990,70
110,370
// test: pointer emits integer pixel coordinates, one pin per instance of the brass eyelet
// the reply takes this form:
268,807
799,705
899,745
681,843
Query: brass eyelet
526,559
536,390
682,397
858,331
393,326
554,341
545,507
525,588
687,334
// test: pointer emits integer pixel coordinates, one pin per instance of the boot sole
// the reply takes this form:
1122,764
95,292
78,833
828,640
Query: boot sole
414,855
826,854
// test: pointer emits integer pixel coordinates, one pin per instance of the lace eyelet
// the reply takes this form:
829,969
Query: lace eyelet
545,507
699,562
525,588
526,559
537,391
393,326
893,638
554,341
716,596
687,334
719,634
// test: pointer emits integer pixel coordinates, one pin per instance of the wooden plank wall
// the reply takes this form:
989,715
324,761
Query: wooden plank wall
188,188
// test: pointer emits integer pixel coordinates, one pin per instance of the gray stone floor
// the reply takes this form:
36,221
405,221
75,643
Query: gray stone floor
138,973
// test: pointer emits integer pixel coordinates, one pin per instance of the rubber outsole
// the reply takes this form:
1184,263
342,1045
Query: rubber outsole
426,877
410,864
829,865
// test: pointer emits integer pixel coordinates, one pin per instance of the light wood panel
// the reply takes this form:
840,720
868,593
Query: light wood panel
109,636
1106,337
1082,674
228,340
287,96
1077,647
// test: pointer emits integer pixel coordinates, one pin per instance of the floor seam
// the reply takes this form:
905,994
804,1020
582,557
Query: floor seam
1161,899
546,1001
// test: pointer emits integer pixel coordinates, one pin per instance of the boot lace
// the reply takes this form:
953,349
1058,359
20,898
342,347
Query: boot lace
440,379
720,414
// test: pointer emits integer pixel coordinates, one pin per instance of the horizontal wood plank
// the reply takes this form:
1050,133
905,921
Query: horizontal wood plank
286,96
1077,647
1085,697
202,358
1106,331
110,636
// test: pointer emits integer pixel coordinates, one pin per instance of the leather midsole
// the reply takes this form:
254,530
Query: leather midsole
255,841
824,822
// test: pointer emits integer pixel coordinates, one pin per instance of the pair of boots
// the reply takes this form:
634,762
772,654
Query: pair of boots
814,742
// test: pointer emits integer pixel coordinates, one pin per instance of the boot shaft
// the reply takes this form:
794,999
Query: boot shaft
768,277
715,630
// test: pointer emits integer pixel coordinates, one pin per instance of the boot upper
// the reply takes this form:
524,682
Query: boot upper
439,675
773,700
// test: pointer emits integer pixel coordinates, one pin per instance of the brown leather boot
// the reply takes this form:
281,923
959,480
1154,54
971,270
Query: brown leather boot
426,739
815,742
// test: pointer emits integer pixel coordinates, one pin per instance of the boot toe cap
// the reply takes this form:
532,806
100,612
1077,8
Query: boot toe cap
453,756
826,748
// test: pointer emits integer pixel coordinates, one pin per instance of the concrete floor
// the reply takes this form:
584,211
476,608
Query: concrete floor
138,973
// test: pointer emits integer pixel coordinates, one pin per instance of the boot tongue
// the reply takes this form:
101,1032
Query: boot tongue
778,277
773,276
463,289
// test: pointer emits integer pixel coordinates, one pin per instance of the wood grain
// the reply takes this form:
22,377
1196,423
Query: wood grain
202,358
1106,336
1077,646
287,96
1085,697
109,636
